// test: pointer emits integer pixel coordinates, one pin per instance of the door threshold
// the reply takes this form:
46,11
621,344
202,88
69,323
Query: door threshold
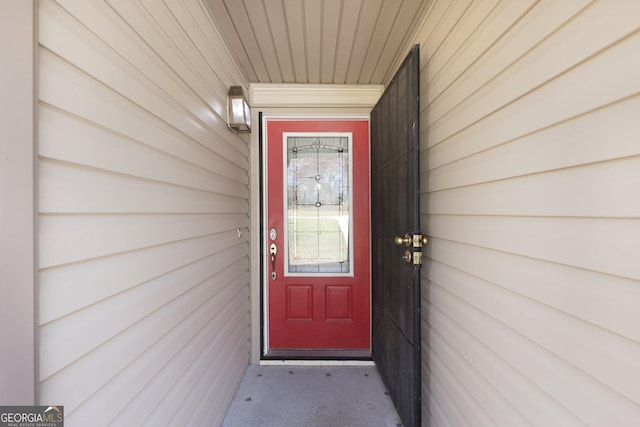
309,362
280,356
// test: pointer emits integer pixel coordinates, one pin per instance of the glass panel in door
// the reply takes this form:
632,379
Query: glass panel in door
318,204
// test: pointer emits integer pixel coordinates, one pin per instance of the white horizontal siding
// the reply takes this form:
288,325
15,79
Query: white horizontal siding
143,215
530,183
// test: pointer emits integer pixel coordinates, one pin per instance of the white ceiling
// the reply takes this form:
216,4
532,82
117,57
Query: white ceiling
318,41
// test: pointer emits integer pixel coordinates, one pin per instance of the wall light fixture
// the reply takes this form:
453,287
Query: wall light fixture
238,111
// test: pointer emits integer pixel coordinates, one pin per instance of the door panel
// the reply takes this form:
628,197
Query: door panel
317,204
395,153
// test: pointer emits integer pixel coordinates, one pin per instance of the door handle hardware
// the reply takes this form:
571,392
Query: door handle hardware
273,250
403,240
416,241
419,240
417,258
414,258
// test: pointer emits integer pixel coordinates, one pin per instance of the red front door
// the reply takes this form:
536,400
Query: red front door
317,242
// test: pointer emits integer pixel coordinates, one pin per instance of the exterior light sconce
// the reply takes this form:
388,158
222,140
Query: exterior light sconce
238,111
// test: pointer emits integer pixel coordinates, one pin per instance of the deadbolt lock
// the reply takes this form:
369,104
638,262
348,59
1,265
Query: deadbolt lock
417,258
407,257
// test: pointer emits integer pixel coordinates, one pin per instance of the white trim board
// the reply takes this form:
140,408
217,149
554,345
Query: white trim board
313,95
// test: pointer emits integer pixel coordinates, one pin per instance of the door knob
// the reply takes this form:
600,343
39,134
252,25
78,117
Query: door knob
403,240
418,240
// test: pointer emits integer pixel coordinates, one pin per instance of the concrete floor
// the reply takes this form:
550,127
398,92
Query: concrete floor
309,396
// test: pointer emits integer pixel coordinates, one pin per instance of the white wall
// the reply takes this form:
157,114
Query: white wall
531,181
144,215
17,209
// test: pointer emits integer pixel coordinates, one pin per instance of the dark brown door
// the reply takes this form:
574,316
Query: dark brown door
395,192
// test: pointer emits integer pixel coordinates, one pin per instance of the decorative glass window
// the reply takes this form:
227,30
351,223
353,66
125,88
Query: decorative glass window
317,204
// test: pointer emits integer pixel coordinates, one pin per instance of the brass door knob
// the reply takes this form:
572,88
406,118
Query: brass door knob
403,240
